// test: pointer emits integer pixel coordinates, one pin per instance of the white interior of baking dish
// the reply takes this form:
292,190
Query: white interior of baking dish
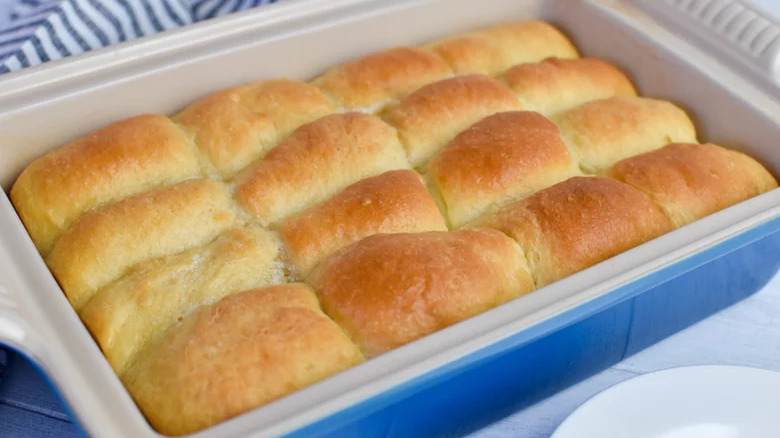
45,107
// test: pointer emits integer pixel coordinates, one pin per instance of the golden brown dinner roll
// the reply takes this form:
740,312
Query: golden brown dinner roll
104,243
246,350
390,289
431,116
554,84
371,81
690,181
395,201
494,49
235,127
317,161
505,156
578,223
128,314
122,159
603,132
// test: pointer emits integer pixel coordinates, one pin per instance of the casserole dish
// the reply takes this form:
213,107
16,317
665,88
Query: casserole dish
514,353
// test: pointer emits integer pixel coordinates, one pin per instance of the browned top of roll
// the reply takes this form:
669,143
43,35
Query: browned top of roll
395,201
390,289
494,49
244,351
578,223
376,78
694,180
505,156
431,116
122,159
554,84
317,161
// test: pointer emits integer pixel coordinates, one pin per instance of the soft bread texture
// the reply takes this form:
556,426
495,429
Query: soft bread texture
395,201
554,84
367,82
578,223
318,160
503,157
246,350
127,315
104,243
603,132
690,181
390,289
234,127
122,159
431,116
494,49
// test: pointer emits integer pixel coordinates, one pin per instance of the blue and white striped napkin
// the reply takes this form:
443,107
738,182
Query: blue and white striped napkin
36,31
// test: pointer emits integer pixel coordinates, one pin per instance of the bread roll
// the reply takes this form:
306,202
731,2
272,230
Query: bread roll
690,181
122,159
494,49
603,132
505,156
431,116
235,127
554,84
371,81
246,350
578,223
104,243
129,314
317,161
390,289
395,201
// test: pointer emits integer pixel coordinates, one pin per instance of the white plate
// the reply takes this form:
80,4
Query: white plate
689,402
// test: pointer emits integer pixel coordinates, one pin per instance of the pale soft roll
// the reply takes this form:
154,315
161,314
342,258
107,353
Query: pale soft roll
235,127
554,84
603,132
366,83
503,157
578,223
127,315
390,289
494,49
690,181
431,116
104,243
395,201
315,162
110,164
246,350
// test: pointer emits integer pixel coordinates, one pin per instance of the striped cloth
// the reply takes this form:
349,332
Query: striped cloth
36,31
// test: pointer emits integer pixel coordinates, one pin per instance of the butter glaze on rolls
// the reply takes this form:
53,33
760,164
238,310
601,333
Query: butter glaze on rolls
246,350
554,85
690,181
317,161
578,223
431,116
494,49
395,201
234,127
502,157
117,161
104,243
390,289
603,132
127,315
372,80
